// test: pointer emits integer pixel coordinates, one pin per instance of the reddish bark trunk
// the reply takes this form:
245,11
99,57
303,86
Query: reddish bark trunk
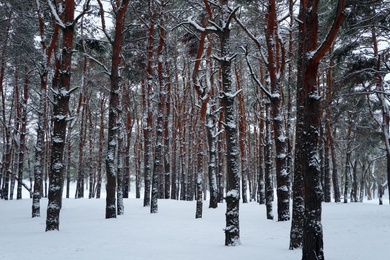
308,123
60,111
148,112
114,108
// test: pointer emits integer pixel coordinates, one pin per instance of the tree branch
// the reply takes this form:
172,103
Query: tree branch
104,22
55,15
258,83
327,43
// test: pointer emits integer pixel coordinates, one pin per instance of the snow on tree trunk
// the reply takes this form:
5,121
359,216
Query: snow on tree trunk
335,176
297,221
158,160
114,109
260,161
243,142
212,144
274,69
190,184
347,169
167,155
148,112
308,103
354,182
61,95
137,159
221,164
327,181
161,116
183,151
232,230
101,144
39,150
22,135
119,176
7,171
269,187
81,169
308,121
92,166
127,159
174,181
199,172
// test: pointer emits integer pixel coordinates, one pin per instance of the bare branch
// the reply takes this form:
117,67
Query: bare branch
106,70
325,46
252,74
85,10
104,22
55,15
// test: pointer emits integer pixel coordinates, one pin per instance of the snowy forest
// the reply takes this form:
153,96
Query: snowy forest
283,103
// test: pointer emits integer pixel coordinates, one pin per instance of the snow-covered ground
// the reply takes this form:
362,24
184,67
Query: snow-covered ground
351,231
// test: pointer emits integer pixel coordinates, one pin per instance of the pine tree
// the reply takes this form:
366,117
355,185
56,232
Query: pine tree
308,119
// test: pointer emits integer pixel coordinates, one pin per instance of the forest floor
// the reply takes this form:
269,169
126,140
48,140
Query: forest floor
353,231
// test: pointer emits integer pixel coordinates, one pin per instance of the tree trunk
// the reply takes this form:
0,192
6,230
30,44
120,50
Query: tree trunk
158,160
92,162
327,181
308,117
126,169
269,187
82,136
119,177
274,69
68,159
101,145
114,109
212,144
137,155
39,151
167,145
148,113
232,230
22,135
190,192
221,163
335,176
61,95
199,174
347,170
243,142
260,160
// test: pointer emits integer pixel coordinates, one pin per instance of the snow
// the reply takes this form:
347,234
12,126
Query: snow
233,193
353,231
54,13
282,138
387,77
283,188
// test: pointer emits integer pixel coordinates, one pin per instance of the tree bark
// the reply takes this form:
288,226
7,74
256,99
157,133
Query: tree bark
347,169
335,175
61,95
308,103
275,67
114,108
22,135
243,142
232,230
269,187
101,145
148,112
